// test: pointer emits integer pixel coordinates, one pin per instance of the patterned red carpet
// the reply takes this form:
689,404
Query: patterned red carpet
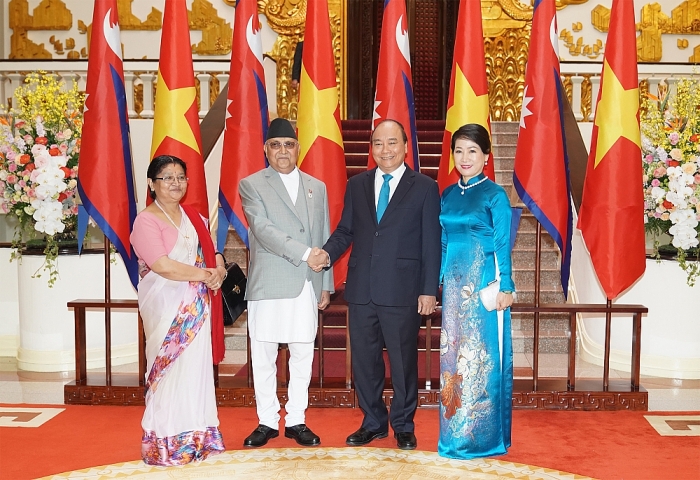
37,442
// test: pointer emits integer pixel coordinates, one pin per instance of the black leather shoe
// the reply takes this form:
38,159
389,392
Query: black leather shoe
303,435
260,436
363,437
406,440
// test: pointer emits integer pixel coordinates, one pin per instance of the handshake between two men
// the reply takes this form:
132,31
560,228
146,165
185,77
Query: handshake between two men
318,259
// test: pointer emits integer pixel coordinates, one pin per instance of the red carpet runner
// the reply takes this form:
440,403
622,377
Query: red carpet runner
605,445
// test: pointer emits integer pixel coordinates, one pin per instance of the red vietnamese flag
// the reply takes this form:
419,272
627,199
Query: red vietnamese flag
611,217
176,119
541,171
469,91
247,117
321,153
393,97
105,181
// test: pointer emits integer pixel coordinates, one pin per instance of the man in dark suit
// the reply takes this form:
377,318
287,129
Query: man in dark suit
391,218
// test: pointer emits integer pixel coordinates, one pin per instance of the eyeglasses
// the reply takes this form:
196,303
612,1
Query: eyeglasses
170,179
275,145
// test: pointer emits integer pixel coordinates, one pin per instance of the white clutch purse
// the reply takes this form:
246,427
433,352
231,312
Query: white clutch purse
488,295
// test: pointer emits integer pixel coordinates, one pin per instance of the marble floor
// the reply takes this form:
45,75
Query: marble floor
665,394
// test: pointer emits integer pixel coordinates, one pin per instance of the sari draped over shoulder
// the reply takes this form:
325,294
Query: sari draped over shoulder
180,423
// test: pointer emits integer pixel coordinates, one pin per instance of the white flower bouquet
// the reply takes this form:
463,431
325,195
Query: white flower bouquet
39,151
671,162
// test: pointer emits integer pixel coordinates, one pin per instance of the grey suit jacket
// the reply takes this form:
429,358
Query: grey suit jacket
278,237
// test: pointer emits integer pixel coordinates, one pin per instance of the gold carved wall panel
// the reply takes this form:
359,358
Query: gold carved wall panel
287,19
216,32
129,21
55,15
506,56
48,15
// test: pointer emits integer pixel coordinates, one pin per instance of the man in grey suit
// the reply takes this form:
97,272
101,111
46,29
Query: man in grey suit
287,211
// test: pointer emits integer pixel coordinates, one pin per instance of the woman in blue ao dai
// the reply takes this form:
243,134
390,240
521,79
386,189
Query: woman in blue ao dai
476,353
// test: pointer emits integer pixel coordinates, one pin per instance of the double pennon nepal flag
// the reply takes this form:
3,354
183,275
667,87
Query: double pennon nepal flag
247,116
541,171
105,180
176,118
611,215
393,97
468,101
321,153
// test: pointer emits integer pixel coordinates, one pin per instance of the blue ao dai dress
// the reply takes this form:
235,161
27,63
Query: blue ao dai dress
476,382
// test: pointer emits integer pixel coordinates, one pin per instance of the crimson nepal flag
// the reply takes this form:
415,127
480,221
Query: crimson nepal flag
393,97
541,171
247,116
105,178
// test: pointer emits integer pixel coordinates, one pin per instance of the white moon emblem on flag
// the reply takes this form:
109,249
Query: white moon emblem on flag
254,40
112,35
553,36
402,41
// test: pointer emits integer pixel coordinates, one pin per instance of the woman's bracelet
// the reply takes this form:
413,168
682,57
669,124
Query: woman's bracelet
225,271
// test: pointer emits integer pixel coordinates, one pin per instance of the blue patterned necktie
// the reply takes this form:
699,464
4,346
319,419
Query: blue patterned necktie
383,201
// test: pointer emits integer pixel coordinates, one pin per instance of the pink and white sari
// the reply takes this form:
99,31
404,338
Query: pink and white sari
180,423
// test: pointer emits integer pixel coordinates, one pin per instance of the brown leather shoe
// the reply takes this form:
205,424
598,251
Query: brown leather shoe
303,435
363,437
260,436
406,440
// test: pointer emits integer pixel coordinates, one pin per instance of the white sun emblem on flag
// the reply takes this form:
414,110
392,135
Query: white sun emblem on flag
525,111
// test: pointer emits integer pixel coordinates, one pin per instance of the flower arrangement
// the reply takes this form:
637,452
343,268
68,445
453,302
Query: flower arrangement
39,150
671,162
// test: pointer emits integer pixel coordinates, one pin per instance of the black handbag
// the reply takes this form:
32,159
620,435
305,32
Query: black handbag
233,291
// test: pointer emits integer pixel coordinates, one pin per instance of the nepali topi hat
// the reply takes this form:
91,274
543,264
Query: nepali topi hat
281,128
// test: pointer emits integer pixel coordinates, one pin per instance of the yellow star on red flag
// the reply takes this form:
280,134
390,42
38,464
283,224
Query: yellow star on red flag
468,107
616,114
316,114
170,110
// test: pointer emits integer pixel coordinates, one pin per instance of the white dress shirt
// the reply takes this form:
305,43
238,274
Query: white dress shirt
393,183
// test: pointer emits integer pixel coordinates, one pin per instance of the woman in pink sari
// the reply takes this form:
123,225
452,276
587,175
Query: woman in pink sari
179,302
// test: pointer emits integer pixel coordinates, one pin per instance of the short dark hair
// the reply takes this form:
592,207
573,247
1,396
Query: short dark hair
403,131
158,164
474,132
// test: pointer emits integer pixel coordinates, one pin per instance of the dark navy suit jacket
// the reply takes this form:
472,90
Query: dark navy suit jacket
395,261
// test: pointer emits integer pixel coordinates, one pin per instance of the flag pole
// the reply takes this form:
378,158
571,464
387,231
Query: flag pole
536,319
606,358
108,316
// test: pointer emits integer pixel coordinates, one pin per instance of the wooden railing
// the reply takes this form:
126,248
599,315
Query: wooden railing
326,391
